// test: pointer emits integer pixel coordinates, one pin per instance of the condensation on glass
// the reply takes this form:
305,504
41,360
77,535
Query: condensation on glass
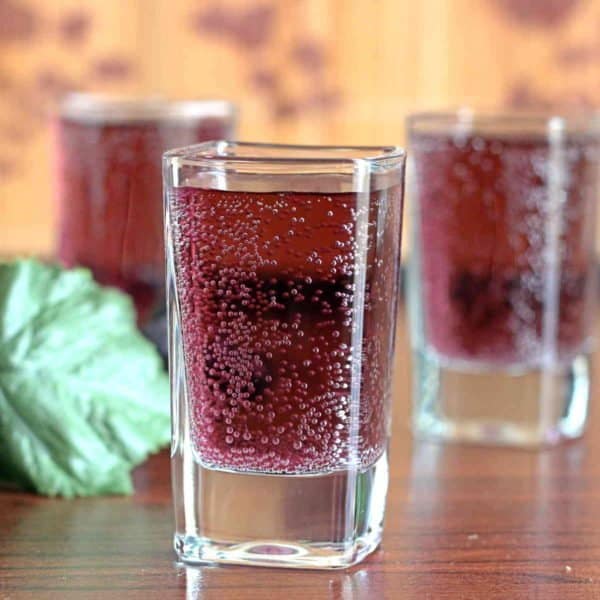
282,288
503,275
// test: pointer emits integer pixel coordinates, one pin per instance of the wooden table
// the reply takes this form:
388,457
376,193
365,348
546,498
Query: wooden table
462,522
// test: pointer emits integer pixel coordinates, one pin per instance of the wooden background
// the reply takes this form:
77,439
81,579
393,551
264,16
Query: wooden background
335,71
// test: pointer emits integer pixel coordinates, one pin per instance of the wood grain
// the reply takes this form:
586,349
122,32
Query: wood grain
463,522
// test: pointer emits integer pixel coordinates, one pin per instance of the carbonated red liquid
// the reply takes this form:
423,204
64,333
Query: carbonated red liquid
486,219
266,294
110,199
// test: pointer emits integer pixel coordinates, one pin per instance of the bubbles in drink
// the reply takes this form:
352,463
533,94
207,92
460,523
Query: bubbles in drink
110,192
267,297
504,225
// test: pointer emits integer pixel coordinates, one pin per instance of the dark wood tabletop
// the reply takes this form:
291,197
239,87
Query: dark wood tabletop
462,522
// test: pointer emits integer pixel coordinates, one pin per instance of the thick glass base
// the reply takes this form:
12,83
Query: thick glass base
327,521
529,407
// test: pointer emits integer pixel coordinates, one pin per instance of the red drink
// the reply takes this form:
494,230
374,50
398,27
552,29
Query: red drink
506,227
282,266
266,293
109,186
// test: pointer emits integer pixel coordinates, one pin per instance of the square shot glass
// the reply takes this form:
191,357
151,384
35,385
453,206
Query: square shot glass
108,153
282,287
503,275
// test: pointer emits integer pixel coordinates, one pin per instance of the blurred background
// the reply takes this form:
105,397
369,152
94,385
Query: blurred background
306,71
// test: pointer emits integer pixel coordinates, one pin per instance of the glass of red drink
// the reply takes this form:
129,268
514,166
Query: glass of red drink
108,172
503,280
282,288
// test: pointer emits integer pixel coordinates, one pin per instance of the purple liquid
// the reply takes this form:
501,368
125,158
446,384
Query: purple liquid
109,188
485,245
266,293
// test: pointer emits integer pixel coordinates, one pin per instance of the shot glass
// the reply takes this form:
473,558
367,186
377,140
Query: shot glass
108,173
282,289
502,277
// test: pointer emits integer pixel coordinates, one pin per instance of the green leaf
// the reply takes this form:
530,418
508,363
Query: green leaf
83,395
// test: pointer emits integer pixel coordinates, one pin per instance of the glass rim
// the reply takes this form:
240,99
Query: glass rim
212,152
90,107
540,121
